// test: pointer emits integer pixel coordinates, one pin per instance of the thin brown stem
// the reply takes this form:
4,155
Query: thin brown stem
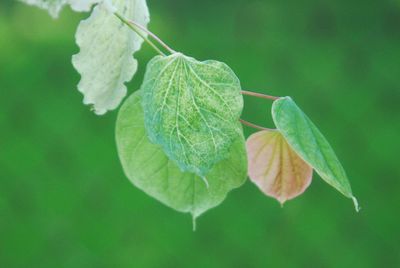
259,95
246,123
155,37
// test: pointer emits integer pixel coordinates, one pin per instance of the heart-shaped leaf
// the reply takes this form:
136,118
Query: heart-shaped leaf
275,168
192,109
149,168
307,141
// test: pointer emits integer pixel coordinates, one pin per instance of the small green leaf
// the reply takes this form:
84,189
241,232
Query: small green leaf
149,169
54,6
191,109
305,139
275,168
105,60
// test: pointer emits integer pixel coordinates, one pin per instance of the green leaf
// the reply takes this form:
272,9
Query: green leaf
54,6
191,109
304,138
275,168
149,169
105,60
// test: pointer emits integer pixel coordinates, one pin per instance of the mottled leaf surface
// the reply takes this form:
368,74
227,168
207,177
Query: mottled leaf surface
105,60
275,168
304,138
54,6
149,168
192,109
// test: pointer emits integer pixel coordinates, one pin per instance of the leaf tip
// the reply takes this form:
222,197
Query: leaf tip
281,200
356,205
93,109
204,179
194,218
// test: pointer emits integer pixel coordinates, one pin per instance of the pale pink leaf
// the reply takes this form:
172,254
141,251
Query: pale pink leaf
275,168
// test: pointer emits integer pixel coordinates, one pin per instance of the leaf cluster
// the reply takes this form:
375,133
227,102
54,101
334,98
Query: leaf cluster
179,137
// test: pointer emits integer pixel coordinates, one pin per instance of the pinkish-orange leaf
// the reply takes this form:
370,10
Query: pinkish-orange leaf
275,168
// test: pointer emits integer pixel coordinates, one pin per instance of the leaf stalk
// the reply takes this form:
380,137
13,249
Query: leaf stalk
155,37
136,29
246,123
259,95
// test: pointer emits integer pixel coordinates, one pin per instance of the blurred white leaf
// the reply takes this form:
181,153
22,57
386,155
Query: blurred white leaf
105,60
54,6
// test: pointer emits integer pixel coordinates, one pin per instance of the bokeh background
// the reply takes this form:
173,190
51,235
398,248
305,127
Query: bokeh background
65,202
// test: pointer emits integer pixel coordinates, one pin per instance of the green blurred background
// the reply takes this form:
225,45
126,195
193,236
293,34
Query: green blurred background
65,202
